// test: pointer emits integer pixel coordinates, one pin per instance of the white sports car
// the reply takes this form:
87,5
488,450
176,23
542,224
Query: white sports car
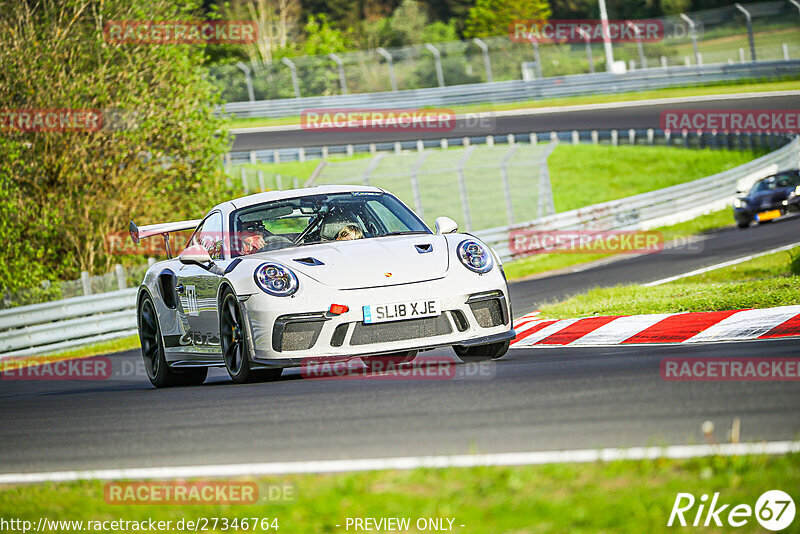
270,280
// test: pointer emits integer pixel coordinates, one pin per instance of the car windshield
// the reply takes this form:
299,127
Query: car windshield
775,182
319,219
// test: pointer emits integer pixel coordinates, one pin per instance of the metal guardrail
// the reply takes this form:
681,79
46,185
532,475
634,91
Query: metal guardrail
655,208
520,90
58,325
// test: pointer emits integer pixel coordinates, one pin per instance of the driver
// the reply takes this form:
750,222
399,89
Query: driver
253,237
349,232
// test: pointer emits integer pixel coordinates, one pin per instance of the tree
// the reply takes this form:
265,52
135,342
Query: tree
494,17
156,158
277,22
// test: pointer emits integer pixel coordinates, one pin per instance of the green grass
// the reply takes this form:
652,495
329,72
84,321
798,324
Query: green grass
620,496
583,175
744,86
763,282
95,349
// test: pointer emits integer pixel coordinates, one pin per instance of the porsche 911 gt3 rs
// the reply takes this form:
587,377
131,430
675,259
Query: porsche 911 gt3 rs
271,280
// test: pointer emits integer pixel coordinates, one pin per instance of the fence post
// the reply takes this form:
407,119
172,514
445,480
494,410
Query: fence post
86,281
576,139
588,39
150,262
537,59
462,188
595,137
244,68
349,150
301,154
415,184
296,182
122,281
465,141
546,205
342,81
487,64
614,138
388,57
490,141
325,152
372,148
749,31
667,136
534,138
278,184
420,145
437,63
506,185
253,157
693,34
371,168
261,185
632,136
785,52
276,156
293,69
397,147
443,144
650,136
243,173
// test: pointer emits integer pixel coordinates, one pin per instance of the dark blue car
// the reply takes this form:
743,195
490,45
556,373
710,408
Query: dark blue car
767,199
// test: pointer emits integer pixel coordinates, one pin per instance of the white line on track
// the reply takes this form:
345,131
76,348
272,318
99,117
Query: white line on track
721,265
563,109
411,462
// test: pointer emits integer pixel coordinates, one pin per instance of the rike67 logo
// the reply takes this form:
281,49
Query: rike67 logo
774,510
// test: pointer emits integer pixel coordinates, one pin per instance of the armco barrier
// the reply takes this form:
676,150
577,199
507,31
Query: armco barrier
66,323
520,90
656,208
78,321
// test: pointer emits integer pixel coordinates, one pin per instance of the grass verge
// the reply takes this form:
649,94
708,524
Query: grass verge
745,86
763,282
104,347
620,496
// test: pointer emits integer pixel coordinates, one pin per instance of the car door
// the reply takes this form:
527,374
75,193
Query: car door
197,287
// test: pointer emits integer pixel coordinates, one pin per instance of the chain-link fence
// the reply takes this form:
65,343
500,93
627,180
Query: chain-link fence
119,278
721,36
478,186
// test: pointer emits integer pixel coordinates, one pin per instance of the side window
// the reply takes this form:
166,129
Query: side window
389,219
209,235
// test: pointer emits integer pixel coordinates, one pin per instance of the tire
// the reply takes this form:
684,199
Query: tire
743,225
377,364
233,343
482,353
155,363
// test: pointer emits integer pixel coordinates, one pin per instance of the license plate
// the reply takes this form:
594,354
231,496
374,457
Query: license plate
398,311
768,215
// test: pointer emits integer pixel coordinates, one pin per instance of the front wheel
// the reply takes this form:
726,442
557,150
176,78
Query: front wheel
234,344
481,353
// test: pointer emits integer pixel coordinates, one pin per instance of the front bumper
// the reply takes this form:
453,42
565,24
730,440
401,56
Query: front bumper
285,332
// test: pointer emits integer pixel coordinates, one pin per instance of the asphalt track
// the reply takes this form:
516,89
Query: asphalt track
639,115
532,399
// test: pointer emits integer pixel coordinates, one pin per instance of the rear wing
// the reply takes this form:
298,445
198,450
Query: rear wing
163,229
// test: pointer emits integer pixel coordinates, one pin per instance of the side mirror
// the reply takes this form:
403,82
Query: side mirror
196,254
445,225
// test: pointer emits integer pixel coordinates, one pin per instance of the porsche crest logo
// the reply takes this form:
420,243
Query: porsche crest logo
387,275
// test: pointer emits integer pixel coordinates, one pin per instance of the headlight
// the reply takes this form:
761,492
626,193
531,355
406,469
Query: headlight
738,203
797,191
475,256
276,280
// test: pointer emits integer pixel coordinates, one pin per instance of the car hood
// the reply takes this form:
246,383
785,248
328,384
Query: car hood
769,198
364,263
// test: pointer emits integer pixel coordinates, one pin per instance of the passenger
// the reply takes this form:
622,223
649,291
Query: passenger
349,232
